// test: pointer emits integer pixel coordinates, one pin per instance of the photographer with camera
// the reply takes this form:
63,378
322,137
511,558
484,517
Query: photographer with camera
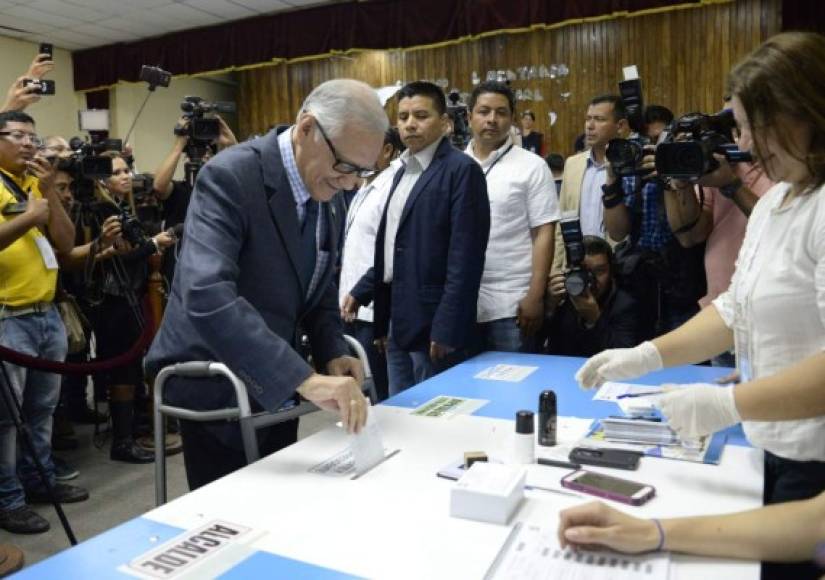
715,212
665,278
586,172
174,194
115,259
33,224
593,312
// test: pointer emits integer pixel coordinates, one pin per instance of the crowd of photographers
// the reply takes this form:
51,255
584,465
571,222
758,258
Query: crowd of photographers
619,243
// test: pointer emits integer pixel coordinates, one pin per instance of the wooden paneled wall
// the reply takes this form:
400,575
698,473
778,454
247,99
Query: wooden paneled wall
683,58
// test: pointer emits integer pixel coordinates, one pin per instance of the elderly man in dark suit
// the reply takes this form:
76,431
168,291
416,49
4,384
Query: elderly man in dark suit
429,252
262,236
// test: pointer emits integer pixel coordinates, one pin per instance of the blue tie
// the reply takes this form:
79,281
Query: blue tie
306,266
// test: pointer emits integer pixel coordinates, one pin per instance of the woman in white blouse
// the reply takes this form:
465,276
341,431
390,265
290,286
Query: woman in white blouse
774,310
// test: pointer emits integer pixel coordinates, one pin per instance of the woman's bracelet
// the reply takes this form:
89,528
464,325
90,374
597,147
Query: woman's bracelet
659,527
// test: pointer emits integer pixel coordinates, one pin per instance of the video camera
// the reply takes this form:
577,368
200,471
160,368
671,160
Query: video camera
687,152
86,165
459,115
199,127
577,279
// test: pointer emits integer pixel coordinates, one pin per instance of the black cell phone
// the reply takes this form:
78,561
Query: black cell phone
601,485
618,458
47,48
14,208
45,87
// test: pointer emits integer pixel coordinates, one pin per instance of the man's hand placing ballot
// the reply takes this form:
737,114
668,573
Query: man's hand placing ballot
698,410
340,392
617,364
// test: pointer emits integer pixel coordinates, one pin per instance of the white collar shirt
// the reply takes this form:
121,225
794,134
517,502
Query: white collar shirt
522,197
414,166
776,307
591,208
363,217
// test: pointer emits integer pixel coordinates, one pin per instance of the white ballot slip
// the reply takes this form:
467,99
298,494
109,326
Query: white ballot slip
368,446
508,373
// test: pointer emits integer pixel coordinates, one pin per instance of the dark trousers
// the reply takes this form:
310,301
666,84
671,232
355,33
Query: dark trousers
788,480
363,333
214,449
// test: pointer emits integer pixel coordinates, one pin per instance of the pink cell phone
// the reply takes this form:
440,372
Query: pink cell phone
606,486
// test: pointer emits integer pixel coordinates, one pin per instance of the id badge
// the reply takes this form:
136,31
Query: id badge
46,251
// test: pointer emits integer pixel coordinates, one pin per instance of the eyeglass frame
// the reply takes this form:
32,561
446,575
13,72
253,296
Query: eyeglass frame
33,138
340,165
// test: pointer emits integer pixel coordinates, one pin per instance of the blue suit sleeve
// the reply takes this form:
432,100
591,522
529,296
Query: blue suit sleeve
470,230
216,227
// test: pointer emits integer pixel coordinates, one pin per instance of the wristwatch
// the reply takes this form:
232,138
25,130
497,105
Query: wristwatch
730,189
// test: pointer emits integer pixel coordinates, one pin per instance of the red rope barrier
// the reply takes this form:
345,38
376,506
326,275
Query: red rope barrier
87,368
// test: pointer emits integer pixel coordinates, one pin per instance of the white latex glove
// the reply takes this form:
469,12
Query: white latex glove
617,364
697,410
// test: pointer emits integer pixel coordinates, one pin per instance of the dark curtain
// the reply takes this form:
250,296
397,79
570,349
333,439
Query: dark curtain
380,24
803,15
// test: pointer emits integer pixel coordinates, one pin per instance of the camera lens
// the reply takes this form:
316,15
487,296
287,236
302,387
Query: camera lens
575,283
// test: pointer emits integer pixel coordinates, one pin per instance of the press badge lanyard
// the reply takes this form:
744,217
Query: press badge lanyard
493,164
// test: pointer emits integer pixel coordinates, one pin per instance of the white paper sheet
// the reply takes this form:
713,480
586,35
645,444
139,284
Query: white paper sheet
533,553
611,391
368,446
508,373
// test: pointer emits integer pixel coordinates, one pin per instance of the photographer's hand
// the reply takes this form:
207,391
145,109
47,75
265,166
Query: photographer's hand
44,171
587,307
227,137
109,232
40,66
164,240
19,96
37,210
721,176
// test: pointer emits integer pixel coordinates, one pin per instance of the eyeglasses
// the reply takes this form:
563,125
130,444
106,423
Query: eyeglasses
344,166
20,137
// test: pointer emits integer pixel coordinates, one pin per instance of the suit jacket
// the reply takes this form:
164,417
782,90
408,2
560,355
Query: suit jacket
237,297
439,256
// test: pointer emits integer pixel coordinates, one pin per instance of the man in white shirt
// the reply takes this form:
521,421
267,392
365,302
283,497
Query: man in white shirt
585,173
523,211
363,216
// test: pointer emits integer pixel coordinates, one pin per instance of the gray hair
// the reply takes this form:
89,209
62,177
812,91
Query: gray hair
340,102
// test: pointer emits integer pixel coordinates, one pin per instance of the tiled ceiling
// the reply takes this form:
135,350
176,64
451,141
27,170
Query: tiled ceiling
76,24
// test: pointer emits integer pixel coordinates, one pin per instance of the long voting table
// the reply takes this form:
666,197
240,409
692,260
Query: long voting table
393,522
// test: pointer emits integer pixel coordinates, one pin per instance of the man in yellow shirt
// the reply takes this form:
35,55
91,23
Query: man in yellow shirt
33,224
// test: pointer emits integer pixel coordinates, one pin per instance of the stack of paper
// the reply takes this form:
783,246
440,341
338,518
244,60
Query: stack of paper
639,431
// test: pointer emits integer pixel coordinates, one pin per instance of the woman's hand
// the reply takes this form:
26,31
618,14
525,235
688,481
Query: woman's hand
595,525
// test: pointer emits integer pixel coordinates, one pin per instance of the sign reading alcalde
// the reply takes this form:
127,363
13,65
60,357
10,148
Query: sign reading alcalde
184,551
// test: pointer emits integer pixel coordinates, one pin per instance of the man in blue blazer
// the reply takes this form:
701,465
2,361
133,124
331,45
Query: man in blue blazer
257,267
429,252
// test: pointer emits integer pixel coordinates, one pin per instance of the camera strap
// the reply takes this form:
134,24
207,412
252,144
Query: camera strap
13,188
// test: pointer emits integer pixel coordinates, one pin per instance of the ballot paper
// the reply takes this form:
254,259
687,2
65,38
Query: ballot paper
508,373
611,391
365,451
533,553
367,446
